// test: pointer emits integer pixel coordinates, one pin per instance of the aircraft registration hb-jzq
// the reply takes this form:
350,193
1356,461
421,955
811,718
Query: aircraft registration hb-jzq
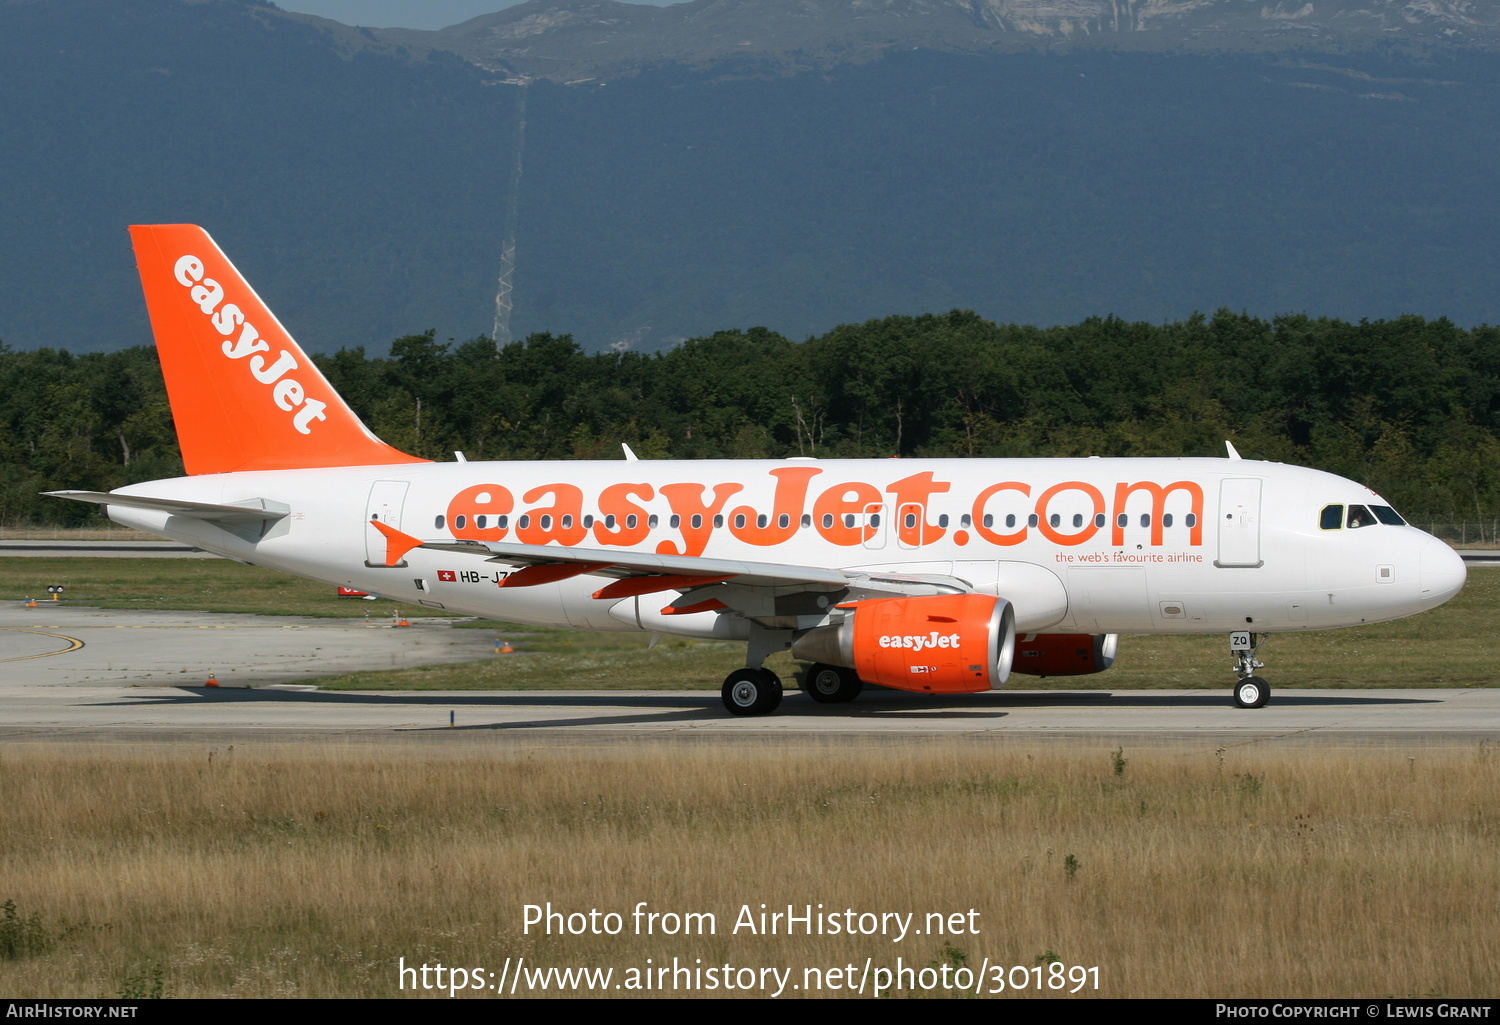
937,576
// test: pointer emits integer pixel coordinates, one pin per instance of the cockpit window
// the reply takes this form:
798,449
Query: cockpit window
1332,518
1388,515
1359,516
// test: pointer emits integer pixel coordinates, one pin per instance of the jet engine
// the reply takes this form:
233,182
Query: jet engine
1065,654
937,644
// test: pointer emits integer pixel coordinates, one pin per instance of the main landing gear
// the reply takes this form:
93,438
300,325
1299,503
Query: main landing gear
751,692
832,684
1251,691
758,691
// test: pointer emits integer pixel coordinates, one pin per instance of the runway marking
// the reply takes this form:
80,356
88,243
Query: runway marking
73,644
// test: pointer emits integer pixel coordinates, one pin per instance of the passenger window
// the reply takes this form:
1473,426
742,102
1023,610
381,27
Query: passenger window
1359,516
1333,517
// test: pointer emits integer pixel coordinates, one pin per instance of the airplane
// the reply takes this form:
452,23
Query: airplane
934,576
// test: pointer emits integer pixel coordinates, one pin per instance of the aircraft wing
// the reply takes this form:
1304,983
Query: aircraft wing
623,564
754,588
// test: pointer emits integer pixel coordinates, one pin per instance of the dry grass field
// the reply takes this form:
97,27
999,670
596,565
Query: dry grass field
265,870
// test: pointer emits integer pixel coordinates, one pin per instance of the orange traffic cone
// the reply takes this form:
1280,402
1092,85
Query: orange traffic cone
211,681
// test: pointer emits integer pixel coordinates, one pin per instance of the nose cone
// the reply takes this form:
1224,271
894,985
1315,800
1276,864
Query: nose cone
1442,572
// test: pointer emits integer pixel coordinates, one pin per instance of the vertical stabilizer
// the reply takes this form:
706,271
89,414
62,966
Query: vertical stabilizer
244,395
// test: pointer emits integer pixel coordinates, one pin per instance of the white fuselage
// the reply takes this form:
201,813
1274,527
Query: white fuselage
1090,546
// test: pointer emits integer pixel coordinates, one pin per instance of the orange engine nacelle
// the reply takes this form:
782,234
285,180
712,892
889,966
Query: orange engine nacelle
936,644
1065,654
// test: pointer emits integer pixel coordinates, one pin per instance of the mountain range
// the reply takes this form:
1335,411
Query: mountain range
567,39
635,176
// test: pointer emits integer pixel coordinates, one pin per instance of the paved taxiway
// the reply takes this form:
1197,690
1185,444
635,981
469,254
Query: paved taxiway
86,672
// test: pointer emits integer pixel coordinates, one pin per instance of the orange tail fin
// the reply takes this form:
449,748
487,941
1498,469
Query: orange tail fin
244,395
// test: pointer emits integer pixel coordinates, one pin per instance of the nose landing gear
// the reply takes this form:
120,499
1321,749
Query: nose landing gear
1251,691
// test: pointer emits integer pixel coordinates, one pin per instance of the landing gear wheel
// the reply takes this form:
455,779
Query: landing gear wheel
751,692
832,684
1251,692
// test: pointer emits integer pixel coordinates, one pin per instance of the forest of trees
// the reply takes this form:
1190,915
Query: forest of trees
1410,407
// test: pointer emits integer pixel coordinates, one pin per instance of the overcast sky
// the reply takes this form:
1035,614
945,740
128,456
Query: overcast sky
429,14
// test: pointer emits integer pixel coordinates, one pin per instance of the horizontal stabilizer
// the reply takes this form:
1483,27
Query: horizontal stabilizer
251,509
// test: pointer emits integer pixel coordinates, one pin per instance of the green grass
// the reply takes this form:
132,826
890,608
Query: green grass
1447,647
1451,646
198,585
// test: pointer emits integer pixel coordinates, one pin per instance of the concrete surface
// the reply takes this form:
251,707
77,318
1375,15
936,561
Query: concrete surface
89,672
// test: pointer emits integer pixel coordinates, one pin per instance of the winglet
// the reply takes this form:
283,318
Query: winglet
397,544
1233,454
244,395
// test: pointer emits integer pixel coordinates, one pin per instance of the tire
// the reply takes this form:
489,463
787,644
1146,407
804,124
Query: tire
1251,692
751,692
831,684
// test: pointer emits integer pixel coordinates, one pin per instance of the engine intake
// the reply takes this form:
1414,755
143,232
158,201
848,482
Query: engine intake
1065,654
